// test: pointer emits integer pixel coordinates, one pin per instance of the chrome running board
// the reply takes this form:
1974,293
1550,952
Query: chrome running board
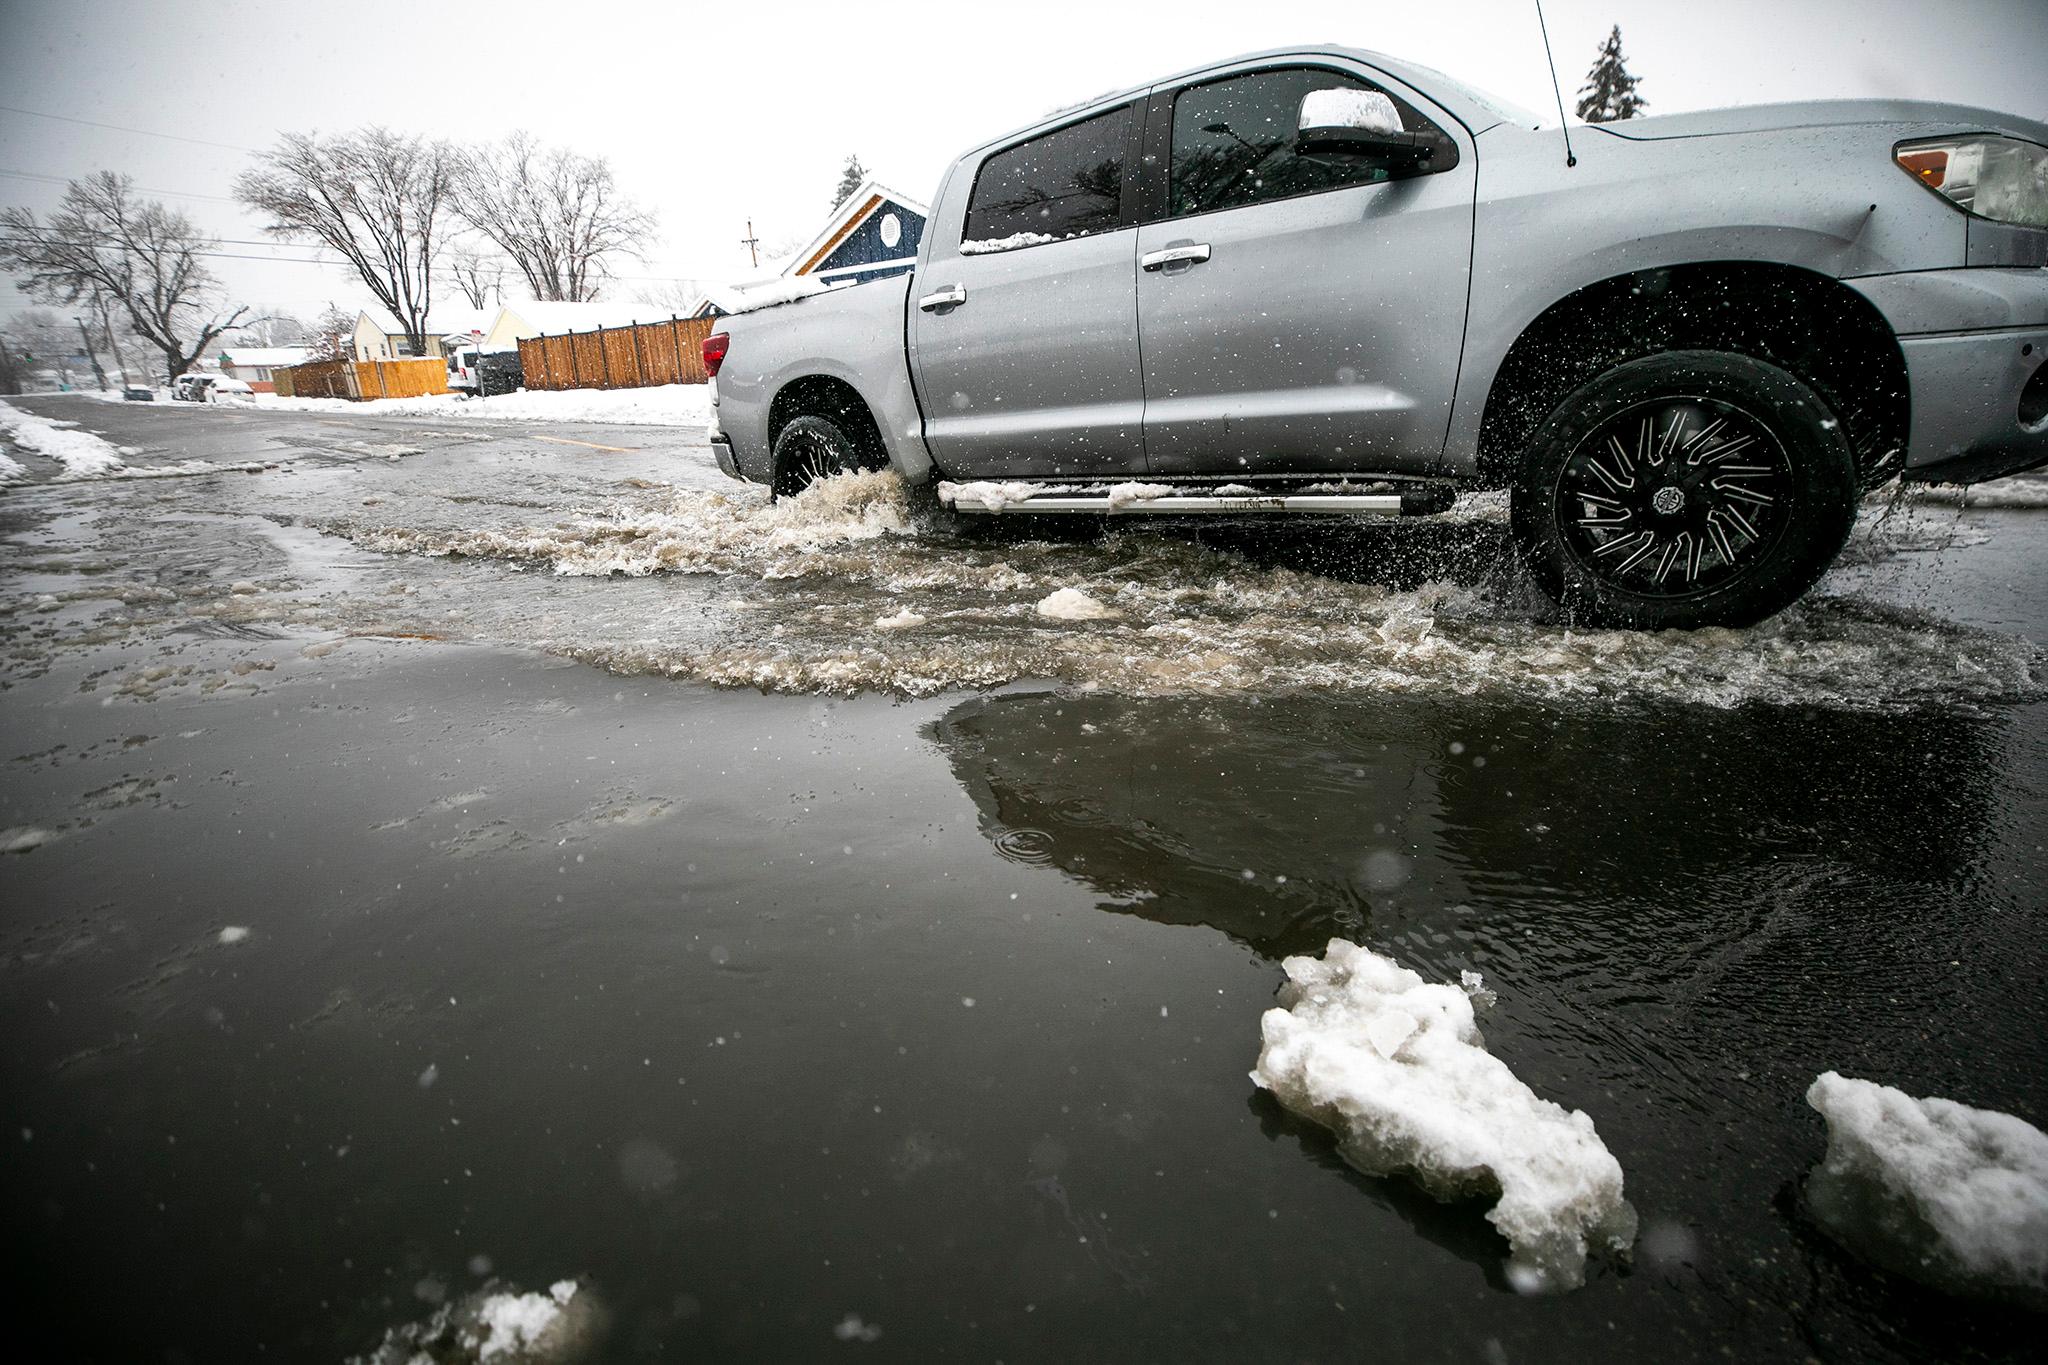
1186,504
1394,496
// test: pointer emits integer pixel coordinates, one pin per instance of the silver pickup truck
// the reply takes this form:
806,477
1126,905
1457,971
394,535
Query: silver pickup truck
1327,281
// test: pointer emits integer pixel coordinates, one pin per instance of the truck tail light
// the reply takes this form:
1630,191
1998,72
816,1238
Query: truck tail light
713,348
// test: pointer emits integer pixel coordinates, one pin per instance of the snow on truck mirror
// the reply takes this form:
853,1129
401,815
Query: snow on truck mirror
1348,107
1347,121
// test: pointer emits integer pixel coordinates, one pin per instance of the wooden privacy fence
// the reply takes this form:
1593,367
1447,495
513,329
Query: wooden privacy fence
634,357
360,380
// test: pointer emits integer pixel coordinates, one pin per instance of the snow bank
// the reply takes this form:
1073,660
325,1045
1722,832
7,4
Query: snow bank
1397,1068
1945,1194
11,471
498,1327
681,405
82,454
1071,604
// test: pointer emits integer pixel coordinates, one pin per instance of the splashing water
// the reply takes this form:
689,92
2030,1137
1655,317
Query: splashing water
815,590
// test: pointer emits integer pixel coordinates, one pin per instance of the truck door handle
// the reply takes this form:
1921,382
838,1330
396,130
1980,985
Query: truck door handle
951,294
1175,255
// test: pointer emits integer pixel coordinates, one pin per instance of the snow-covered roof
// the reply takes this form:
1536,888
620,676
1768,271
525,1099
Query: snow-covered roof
553,319
844,217
261,356
443,322
461,322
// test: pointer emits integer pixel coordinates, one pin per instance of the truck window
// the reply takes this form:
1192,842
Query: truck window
1233,142
1065,184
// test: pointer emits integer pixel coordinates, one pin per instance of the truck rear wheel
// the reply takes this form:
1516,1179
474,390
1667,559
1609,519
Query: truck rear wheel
809,449
1686,489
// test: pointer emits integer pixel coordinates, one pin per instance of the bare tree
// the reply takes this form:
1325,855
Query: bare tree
480,277
43,341
674,297
376,197
332,335
104,248
554,212
278,329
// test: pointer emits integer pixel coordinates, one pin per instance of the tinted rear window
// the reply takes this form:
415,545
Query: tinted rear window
1064,184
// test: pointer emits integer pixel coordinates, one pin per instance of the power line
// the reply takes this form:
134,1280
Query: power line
174,194
118,128
205,255
66,237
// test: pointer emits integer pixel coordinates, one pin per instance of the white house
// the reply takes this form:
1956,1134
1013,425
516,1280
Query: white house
379,336
253,364
518,320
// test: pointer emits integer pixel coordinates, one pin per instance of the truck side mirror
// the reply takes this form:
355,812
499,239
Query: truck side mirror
1347,121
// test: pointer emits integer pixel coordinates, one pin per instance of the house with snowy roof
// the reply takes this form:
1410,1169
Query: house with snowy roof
872,235
516,321
253,364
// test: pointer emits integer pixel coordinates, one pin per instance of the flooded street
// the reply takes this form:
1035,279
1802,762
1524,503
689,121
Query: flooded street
445,853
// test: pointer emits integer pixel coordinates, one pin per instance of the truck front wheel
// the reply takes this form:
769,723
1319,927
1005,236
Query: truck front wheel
1686,489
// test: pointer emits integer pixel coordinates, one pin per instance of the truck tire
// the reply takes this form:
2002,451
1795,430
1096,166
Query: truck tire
809,449
1684,489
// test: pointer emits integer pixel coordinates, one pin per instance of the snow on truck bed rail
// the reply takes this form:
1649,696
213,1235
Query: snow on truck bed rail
1396,1067
1952,1196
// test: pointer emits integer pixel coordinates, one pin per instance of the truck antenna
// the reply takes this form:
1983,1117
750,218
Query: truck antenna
1555,88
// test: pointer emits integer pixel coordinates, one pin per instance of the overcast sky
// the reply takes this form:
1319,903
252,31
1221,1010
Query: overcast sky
714,113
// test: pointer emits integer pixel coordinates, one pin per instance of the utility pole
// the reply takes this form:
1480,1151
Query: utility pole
751,243
120,361
85,339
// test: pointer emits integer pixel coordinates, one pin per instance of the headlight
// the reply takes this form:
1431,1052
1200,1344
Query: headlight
2000,178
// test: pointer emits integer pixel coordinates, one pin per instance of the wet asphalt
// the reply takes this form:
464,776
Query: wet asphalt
405,902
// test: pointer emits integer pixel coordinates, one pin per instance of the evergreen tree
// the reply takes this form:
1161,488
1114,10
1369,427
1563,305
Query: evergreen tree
1610,92
852,178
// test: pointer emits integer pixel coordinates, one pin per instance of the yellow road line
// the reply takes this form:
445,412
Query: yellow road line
588,445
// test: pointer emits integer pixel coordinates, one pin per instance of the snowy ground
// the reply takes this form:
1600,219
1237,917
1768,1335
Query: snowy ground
680,405
907,1007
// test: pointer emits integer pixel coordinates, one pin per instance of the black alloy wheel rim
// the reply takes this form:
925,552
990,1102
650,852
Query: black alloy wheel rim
813,455
1674,497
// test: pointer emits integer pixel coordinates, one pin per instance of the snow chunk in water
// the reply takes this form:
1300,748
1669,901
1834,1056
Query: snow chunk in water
1945,1194
1071,604
902,620
1397,1068
499,1327
22,838
234,933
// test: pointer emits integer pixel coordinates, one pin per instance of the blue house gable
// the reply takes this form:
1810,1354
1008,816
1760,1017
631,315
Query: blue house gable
872,235
879,240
